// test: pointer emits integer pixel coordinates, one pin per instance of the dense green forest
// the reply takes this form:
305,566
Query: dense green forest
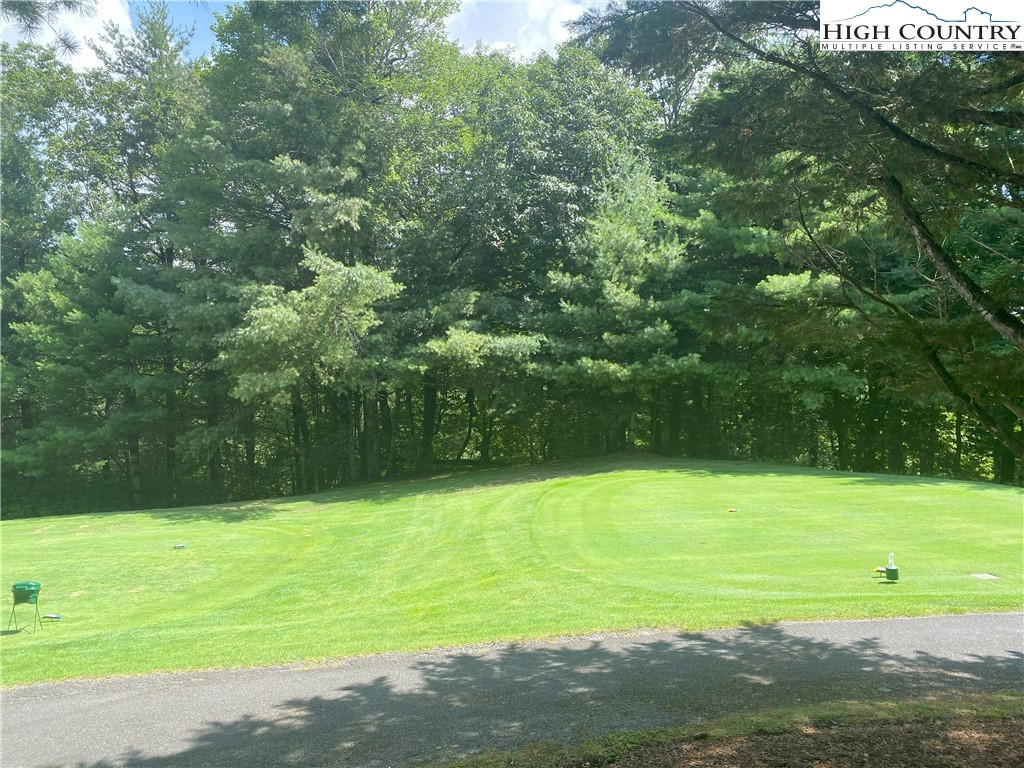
340,249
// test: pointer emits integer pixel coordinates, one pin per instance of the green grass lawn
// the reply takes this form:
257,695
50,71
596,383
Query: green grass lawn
497,555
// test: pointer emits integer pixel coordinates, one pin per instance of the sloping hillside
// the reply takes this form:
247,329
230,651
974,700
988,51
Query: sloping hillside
501,554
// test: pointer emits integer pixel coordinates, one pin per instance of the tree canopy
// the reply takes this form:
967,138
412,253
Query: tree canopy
340,249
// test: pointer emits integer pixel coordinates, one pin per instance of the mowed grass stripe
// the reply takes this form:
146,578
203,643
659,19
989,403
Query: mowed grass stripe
501,555
781,553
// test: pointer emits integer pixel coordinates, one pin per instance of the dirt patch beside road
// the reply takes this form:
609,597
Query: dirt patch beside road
966,740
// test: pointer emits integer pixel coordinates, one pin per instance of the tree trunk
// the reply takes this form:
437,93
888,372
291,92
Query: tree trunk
812,439
214,461
958,442
135,471
170,431
927,442
1011,441
787,444
425,454
656,426
872,418
371,430
675,420
471,406
699,438
304,479
995,426
1004,469
486,430
296,453
1000,318
349,464
134,455
896,460
839,421
387,434
249,437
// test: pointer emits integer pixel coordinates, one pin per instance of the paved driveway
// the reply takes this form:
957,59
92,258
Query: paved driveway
405,709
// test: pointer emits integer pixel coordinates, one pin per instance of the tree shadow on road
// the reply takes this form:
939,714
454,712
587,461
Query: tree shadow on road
443,706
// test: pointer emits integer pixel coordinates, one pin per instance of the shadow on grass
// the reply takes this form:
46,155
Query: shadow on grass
424,708
233,512
459,481
453,481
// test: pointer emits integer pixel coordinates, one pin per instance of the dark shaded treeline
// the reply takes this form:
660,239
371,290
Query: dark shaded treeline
341,250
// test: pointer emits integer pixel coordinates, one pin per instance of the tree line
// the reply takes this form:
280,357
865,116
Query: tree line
339,249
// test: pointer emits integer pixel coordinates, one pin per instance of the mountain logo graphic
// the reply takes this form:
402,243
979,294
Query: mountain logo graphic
903,5
922,25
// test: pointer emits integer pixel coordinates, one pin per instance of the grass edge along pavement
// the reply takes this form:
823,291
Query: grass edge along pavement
637,747
501,555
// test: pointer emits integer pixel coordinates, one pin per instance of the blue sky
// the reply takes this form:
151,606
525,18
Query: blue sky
526,26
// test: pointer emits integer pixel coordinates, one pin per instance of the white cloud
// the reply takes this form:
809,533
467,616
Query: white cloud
532,25
545,28
84,29
89,30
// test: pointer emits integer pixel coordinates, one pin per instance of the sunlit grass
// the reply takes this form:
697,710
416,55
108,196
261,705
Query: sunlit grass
501,555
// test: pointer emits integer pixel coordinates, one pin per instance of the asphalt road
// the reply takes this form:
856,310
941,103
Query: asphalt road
407,709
